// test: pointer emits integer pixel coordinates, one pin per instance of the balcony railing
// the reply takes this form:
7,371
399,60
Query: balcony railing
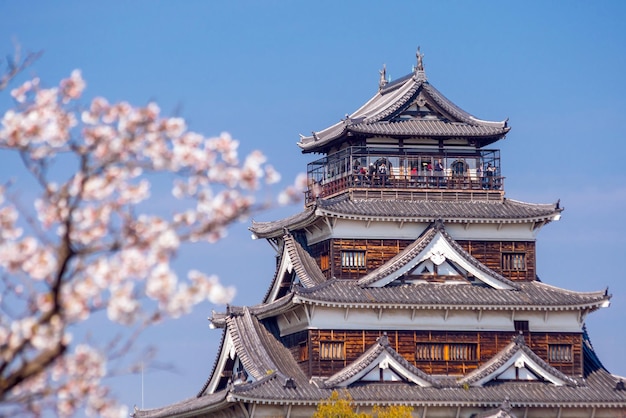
353,169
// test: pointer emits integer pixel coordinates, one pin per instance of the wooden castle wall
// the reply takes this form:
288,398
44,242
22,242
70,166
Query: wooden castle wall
306,348
519,255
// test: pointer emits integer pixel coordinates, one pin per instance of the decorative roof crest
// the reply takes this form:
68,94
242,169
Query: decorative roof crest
383,77
420,74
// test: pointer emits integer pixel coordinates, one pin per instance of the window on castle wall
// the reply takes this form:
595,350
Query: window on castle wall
560,353
324,262
353,259
446,352
303,351
332,350
514,261
521,327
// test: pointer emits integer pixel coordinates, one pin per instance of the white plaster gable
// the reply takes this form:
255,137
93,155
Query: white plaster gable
517,362
284,269
440,251
392,371
226,353
521,367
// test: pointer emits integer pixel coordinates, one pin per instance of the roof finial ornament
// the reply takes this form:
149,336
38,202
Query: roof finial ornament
383,77
420,60
420,74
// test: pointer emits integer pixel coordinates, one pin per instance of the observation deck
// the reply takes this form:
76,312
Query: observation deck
412,175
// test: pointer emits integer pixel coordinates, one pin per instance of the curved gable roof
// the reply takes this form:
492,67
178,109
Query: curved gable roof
531,296
519,356
381,355
434,243
293,257
392,210
375,115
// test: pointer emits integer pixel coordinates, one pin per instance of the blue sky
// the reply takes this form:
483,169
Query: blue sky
267,71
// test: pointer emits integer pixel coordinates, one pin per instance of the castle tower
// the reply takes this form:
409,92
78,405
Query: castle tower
409,278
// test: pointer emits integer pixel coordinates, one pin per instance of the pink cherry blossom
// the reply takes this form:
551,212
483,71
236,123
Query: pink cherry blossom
96,239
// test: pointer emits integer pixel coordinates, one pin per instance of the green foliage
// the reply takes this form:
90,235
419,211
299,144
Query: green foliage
337,406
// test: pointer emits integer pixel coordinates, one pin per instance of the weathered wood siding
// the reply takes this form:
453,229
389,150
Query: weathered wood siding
490,254
488,344
379,251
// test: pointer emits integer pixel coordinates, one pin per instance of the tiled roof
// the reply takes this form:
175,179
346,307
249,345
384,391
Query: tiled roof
286,384
276,228
425,128
506,210
375,117
192,407
248,345
483,211
530,296
306,267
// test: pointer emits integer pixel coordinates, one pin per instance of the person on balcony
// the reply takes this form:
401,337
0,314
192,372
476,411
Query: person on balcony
439,173
382,174
372,173
363,175
491,172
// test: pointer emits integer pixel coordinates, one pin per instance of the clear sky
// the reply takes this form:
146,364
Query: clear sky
267,71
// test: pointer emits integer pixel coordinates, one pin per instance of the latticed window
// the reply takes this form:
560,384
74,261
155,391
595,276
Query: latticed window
514,261
560,353
446,352
332,350
429,351
462,352
353,259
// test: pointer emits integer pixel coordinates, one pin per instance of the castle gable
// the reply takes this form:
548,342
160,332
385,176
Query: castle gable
435,255
517,362
296,266
380,363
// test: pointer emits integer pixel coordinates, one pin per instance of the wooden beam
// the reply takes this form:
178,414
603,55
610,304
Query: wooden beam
345,315
244,410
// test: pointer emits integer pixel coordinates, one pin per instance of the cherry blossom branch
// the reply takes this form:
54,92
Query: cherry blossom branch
96,240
